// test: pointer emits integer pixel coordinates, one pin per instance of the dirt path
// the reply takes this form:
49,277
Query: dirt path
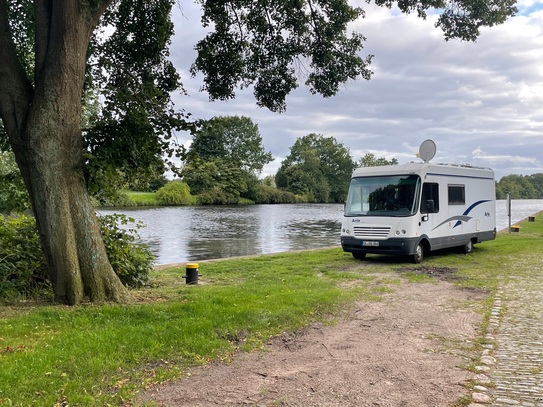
408,350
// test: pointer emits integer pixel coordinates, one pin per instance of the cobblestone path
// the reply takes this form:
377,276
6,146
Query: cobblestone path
511,371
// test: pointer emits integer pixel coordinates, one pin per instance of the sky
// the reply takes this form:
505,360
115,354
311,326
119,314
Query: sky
481,103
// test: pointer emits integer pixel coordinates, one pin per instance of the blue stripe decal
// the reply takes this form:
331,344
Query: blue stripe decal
470,209
464,217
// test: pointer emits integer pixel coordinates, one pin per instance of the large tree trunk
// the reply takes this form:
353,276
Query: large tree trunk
43,125
67,223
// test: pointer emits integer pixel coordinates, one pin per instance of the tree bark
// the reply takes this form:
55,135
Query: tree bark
44,128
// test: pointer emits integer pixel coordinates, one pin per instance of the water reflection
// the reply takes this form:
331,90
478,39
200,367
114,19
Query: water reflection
178,234
217,232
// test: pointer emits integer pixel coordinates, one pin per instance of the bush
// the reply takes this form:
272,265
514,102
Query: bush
22,263
13,195
131,261
270,195
174,193
306,198
217,196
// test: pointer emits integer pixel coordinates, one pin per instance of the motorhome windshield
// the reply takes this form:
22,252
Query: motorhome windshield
395,195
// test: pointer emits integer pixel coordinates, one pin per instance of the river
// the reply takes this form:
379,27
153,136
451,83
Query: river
192,233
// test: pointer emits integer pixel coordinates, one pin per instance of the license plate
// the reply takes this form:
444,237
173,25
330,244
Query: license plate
366,243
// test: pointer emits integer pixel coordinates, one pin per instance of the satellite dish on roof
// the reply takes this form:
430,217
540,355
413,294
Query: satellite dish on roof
427,150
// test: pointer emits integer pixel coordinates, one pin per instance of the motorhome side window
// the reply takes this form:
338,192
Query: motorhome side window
457,195
430,198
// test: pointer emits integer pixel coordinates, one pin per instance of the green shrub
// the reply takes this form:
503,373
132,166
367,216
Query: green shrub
131,261
174,193
13,195
306,198
269,195
22,263
217,196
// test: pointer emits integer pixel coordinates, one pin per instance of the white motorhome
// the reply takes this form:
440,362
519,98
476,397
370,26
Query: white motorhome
412,209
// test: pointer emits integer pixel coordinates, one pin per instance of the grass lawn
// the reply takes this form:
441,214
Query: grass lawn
96,355
142,198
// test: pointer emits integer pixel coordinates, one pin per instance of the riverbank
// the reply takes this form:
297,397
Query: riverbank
99,355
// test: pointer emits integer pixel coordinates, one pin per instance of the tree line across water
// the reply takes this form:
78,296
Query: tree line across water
223,166
520,186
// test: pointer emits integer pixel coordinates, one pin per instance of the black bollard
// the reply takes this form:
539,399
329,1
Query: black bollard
192,273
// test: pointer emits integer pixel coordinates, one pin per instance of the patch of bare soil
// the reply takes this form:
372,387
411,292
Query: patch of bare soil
441,273
409,350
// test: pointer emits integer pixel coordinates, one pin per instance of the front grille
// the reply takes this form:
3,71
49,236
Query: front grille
377,231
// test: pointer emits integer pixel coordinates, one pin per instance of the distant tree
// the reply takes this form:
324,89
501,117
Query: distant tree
269,181
233,139
200,175
537,182
319,166
151,181
306,180
370,160
226,154
157,183
502,190
215,174
527,189
518,187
